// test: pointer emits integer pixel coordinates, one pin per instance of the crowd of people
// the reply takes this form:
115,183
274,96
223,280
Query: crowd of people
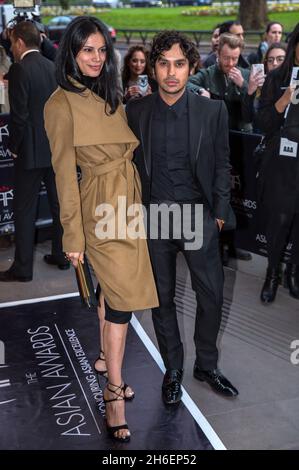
168,147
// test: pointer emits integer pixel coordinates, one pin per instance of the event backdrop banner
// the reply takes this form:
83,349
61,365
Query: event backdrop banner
250,233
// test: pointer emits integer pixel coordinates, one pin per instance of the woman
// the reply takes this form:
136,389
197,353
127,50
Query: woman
278,180
274,57
273,34
136,63
86,126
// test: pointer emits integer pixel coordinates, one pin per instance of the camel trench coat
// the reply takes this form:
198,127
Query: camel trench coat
81,133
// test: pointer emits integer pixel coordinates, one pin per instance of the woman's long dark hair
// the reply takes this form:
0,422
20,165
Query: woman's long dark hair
126,72
74,38
285,69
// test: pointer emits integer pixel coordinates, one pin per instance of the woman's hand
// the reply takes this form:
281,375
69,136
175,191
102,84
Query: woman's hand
149,90
255,80
132,92
285,99
74,257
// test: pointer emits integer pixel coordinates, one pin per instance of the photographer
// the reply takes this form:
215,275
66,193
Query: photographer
47,49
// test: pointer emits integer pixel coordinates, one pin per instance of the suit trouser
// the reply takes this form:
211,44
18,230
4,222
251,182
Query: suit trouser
207,281
26,194
280,229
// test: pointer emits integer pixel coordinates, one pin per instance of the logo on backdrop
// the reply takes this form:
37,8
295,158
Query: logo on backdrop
5,154
4,383
6,195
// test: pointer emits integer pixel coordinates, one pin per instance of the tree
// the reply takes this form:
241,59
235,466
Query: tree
253,14
64,4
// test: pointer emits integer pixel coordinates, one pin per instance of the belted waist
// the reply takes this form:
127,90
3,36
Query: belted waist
105,168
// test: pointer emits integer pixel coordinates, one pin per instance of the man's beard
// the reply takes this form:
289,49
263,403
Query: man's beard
169,92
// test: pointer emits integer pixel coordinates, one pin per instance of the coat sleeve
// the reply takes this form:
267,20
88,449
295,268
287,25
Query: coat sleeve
197,81
18,92
222,178
59,128
269,120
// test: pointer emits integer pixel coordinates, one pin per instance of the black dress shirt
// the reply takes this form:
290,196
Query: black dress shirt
172,178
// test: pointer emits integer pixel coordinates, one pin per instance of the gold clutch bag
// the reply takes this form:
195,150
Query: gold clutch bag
85,284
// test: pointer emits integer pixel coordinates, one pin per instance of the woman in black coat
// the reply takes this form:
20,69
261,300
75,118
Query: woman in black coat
278,181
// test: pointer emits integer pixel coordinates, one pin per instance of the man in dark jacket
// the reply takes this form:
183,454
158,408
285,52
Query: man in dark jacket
183,161
226,80
31,82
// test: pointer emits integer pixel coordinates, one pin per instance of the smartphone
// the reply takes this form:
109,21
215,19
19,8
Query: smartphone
258,68
142,82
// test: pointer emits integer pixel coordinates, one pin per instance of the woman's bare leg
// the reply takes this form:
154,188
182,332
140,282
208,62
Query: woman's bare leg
114,344
100,364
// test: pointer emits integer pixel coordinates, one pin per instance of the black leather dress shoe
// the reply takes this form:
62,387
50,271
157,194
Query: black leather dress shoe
61,264
216,380
10,276
171,387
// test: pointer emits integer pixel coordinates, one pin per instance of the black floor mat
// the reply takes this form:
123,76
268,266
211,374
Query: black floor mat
50,398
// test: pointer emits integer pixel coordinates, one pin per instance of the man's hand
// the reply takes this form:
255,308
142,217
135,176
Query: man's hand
236,76
14,155
220,223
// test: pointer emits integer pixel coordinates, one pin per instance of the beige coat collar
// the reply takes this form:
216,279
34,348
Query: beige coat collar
92,126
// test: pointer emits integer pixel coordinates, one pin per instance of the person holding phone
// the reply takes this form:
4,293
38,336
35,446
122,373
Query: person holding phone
86,126
278,178
274,57
137,76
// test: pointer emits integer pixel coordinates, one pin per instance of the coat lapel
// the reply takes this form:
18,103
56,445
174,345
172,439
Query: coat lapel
196,125
145,126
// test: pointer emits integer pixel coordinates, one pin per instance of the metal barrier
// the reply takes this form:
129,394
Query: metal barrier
146,34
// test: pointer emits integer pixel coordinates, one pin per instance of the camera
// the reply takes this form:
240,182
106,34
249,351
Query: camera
25,10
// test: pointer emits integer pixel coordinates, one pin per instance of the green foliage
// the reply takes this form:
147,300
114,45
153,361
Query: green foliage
64,4
171,18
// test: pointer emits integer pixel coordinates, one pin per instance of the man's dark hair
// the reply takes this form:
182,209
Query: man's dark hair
225,27
67,69
166,39
28,32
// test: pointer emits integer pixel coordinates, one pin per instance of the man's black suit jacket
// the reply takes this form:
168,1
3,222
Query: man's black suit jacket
31,82
208,149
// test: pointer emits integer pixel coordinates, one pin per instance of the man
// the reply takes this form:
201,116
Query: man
31,81
214,47
226,80
183,159
232,27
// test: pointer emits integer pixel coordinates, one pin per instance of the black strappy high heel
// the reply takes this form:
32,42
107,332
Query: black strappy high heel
104,373
112,430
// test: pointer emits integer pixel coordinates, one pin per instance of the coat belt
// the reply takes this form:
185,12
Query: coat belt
105,168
